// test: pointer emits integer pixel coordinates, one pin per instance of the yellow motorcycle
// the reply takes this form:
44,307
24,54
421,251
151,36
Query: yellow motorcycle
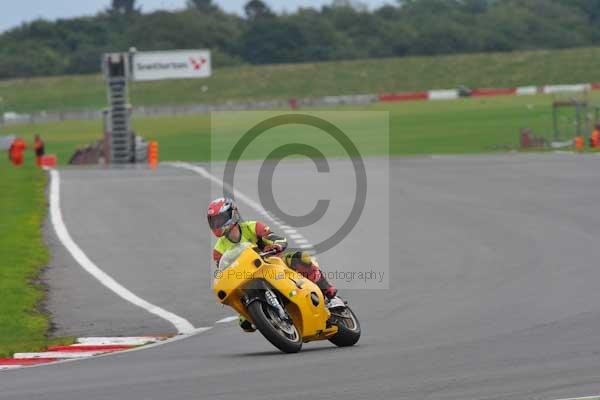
284,306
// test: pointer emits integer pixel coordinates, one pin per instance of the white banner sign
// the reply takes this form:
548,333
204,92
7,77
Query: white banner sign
177,64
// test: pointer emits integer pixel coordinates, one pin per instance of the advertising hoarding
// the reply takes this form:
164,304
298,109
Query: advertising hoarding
176,64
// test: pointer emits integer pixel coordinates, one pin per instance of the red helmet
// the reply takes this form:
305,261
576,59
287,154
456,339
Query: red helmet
222,215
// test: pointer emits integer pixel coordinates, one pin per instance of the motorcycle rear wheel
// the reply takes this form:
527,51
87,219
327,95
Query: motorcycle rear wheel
286,339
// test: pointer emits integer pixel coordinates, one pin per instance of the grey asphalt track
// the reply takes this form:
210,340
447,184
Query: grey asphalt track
493,285
143,228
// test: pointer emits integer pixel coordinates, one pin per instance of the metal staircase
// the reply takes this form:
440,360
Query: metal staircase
120,136
121,145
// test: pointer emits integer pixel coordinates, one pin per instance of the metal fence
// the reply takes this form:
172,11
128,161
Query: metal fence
12,118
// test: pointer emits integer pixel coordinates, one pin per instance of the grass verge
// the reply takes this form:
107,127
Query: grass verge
24,327
250,83
472,125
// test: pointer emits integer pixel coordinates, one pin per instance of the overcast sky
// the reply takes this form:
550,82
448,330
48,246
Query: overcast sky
16,12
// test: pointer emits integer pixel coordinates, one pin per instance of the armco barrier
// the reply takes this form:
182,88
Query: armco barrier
443,94
409,96
526,90
338,100
11,118
581,87
493,92
189,109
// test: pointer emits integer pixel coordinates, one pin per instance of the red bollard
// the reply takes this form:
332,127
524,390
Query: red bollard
579,143
48,160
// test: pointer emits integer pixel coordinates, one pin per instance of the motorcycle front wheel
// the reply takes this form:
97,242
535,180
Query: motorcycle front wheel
348,328
281,333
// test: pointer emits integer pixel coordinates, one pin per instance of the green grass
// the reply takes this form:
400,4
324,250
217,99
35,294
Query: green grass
316,79
23,326
430,127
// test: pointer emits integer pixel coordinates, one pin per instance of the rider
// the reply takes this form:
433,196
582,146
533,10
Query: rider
226,224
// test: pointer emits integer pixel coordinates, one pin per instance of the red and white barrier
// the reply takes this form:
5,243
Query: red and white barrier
580,87
407,96
493,92
119,341
443,94
12,363
85,347
453,94
526,91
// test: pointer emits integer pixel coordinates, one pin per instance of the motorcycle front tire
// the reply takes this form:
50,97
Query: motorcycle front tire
270,332
347,336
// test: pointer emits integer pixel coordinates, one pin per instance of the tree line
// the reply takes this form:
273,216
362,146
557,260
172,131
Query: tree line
343,30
